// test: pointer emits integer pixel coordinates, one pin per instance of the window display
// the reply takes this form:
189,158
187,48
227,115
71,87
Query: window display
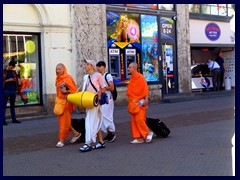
23,49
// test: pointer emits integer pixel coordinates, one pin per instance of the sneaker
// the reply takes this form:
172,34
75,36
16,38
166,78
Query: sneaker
111,137
99,145
5,123
106,137
149,137
74,139
15,121
136,141
59,144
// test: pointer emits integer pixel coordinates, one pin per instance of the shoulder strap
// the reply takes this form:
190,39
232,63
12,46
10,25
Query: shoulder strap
106,78
213,64
92,83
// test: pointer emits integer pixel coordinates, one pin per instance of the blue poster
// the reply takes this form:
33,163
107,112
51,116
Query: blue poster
149,30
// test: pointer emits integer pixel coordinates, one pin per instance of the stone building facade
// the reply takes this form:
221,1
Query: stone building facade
68,33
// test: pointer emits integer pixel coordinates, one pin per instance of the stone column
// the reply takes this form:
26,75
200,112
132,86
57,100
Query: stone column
183,48
89,35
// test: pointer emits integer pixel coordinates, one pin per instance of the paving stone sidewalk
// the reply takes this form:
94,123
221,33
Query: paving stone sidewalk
199,145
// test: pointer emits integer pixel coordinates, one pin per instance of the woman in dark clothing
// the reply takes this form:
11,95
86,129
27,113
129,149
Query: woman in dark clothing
10,87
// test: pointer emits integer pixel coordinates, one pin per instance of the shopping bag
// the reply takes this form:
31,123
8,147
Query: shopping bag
59,106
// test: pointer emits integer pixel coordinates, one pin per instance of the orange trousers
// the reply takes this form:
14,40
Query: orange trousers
64,121
138,124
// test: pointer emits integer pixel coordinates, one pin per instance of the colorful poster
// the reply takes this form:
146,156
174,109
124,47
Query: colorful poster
123,33
122,27
149,30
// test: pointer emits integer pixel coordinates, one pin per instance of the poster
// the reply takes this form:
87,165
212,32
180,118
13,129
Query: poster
149,30
123,32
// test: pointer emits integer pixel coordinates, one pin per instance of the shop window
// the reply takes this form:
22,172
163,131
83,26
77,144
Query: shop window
231,9
168,7
214,9
147,6
23,49
194,8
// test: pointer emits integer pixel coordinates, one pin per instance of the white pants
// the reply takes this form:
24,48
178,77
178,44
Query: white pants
107,114
93,123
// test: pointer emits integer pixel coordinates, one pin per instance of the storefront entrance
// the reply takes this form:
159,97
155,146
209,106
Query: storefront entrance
168,69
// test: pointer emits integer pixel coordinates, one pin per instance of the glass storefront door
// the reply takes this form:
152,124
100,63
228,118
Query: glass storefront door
168,54
168,69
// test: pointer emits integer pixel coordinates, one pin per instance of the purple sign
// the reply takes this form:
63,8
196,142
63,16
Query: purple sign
212,31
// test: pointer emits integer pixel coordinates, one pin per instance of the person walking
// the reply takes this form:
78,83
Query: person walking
64,86
93,82
10,89
221,63
107,109
137,94
215,70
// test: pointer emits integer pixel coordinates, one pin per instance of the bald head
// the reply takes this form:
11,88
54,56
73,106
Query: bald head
132,68
134,65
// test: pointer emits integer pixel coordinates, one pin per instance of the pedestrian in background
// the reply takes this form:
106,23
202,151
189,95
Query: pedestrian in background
10,89
64,86
215,71
137,93
107,109
220,62
93,82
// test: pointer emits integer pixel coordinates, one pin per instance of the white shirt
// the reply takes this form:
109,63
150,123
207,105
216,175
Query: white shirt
109,79
213,65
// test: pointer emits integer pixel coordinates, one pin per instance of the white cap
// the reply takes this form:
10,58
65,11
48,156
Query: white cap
89,61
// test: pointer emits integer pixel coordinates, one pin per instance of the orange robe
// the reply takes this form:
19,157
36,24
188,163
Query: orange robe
64,120
138,89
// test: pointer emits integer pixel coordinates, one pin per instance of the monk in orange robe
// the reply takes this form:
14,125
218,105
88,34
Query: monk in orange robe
64,86
137,93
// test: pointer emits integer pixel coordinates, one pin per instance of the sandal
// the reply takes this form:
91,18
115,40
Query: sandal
59,144
149,137
136,141
99,145
85,148
75,138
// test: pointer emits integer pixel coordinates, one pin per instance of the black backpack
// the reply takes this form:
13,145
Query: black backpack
114,92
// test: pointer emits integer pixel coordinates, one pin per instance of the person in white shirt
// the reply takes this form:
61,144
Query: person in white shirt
107,109
93,119
215,70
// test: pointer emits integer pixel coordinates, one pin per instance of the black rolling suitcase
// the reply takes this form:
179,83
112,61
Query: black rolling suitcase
158,127
79,126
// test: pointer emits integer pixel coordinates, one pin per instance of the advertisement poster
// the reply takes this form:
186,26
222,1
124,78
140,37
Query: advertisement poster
149,47
123,33
167,28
